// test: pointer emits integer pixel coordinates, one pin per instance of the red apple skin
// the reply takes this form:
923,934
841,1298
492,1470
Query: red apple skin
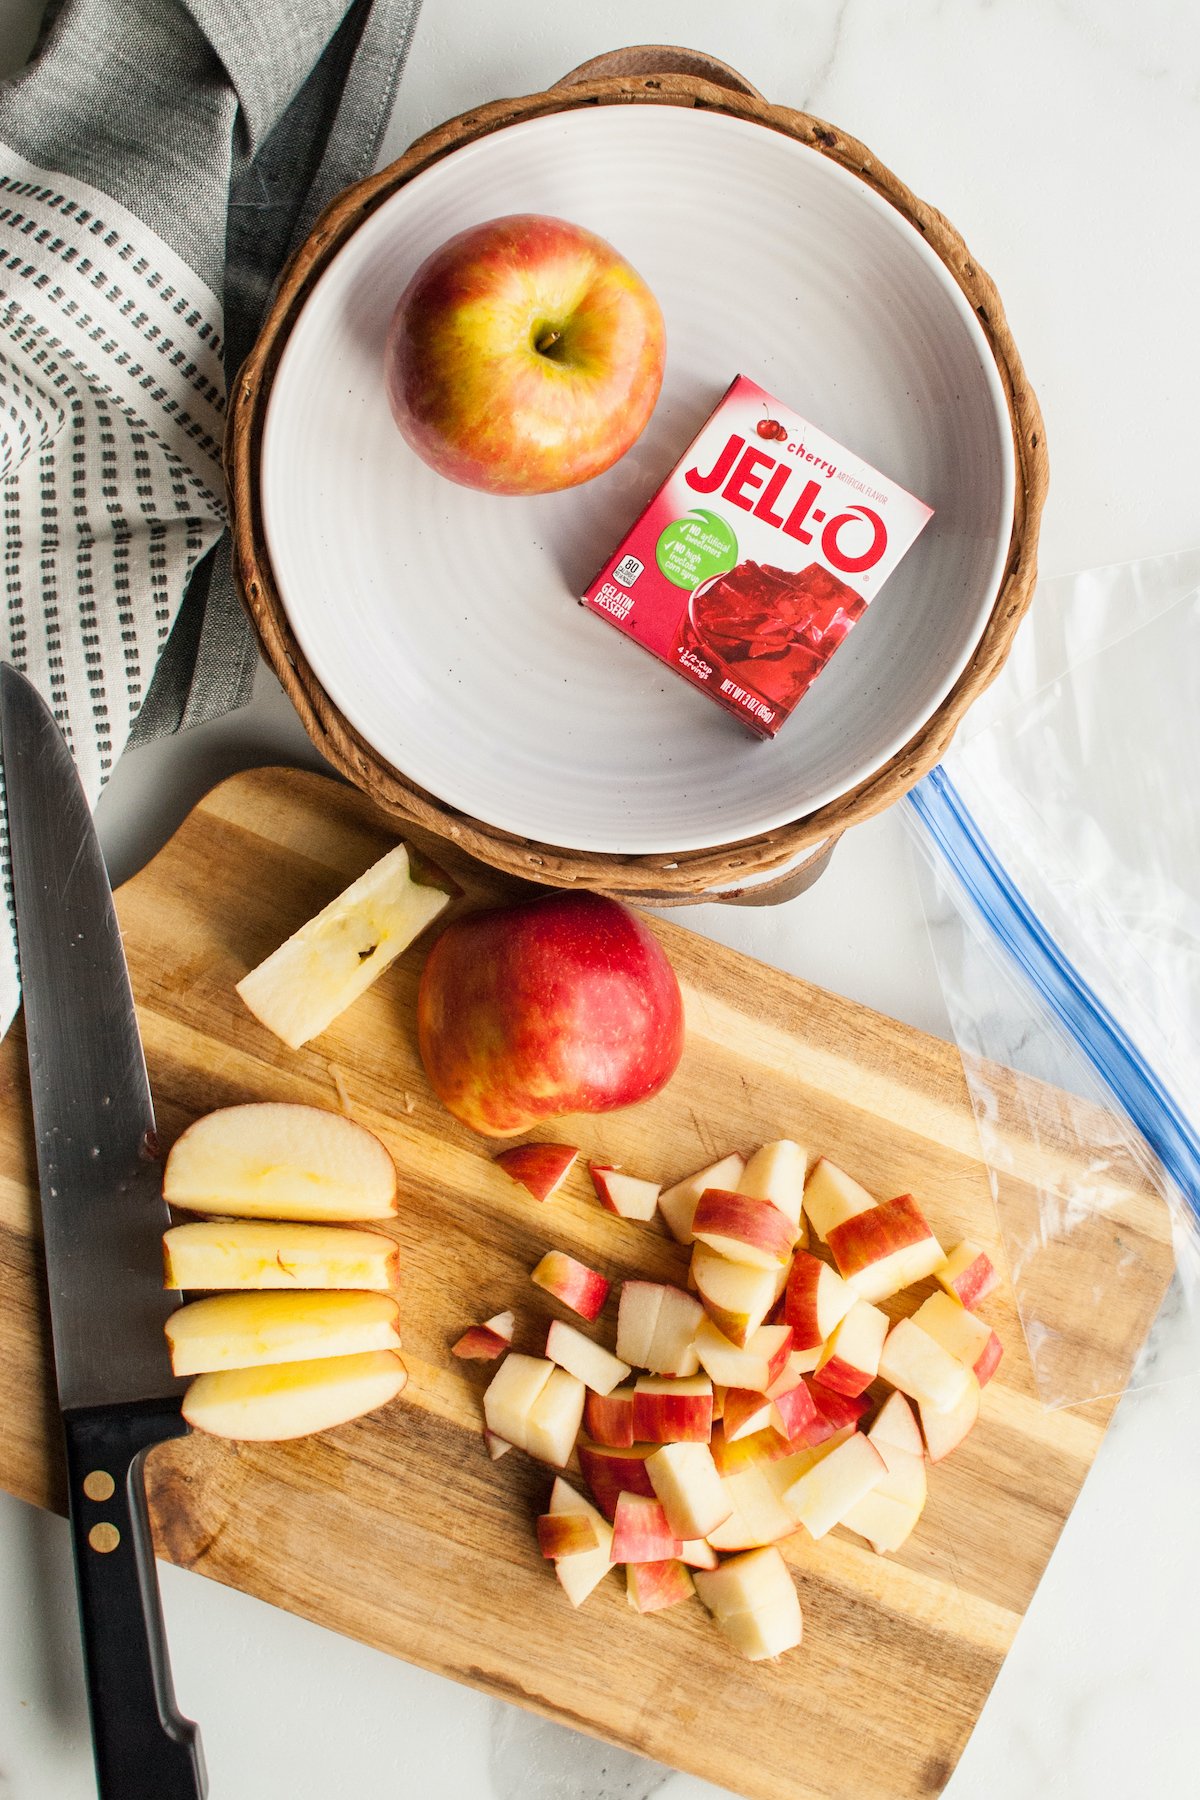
539,1168
565,1534
610,1472
653,1586
608,1418
572,1282
479,1343
561,1004
640,1532
988,1360
758,1224
839,1409
668,1418
797,1419
525,355
870,1236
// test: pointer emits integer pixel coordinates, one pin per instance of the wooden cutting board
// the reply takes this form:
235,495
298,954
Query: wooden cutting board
398,1529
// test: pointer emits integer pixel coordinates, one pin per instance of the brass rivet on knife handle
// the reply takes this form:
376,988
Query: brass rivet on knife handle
99,1485
104,1538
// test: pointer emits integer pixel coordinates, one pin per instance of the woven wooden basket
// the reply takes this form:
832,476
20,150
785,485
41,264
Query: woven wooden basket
757,870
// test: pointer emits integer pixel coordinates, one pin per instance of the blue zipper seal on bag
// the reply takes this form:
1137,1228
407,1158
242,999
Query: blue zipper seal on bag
1113,1055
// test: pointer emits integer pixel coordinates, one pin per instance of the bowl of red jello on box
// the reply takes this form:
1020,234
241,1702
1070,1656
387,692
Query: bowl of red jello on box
430,635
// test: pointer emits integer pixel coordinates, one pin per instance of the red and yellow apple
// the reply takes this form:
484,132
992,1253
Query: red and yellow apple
524,356
557,1005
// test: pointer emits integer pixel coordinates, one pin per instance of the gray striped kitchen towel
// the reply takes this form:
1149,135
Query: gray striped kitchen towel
158,161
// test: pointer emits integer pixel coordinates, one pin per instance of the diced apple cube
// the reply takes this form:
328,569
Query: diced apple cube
737,1298
968,1275
815,1302
968,1339
698,1553
484,1343
275,1160
776,1173
628,1196
839,1409
745,1412
895,1428
641,1532
609,1417
496,1446
678,1204
611,1471
512,1394
744,1229
322,968
822,1497
754,1602
685,1480
672,1409
566,1534
540,1169
881,1251
850,1360
830,1197
637,1315
580,1574
919,1367
595,1366
553,1425
671,1349
946,1427
757,1366
795,1415
653,1586
573,1283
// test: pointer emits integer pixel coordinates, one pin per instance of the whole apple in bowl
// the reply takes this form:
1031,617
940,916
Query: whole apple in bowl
562,1004
524,356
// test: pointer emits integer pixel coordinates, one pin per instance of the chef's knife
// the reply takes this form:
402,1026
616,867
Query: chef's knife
103,1217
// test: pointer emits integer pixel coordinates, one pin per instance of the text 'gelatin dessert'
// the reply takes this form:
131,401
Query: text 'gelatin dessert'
750,564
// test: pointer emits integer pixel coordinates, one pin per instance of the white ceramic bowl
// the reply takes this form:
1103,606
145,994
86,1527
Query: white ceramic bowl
442,621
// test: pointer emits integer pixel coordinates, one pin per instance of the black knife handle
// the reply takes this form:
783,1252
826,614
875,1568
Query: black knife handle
144,1749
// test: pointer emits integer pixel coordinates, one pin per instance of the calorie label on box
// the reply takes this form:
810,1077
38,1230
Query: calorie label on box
755,557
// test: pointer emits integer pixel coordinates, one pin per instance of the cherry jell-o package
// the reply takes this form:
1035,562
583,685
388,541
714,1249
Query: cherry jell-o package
755,557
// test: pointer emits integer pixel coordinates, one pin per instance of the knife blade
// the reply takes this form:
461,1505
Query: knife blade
103,1216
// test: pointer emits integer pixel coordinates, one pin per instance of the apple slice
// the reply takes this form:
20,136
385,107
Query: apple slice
248,1330
815,1302
553,1424
484,1343
540,1169
608,1418
744,1229
697,1553
653,1586
253,1253
641,1532
670,1409
573,1283
895,1428
830,1197
496,1446
946,1427
756,1366
322,968
737,1298
968,1339
611,1471
275,1160
578,1575
292,1400
850,1360
626,1195
693,1496
597,1368
671,1350
754,1602
919,1367
822,1497
968,1275
566,1534
511,1395
839,1409
776,1173
678,1204
745,1412
881,1251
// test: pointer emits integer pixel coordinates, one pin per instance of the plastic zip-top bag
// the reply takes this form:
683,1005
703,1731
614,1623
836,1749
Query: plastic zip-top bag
1061,874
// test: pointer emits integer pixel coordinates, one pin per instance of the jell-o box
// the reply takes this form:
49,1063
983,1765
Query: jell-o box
759,551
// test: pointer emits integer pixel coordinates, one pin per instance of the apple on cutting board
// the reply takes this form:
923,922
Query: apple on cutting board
524,356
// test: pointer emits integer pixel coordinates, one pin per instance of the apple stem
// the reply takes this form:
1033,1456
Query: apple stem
546,341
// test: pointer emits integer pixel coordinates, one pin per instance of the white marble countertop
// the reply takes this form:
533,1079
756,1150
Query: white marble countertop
1064,142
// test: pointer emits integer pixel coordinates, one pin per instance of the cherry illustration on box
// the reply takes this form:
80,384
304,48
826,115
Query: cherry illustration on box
755,557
